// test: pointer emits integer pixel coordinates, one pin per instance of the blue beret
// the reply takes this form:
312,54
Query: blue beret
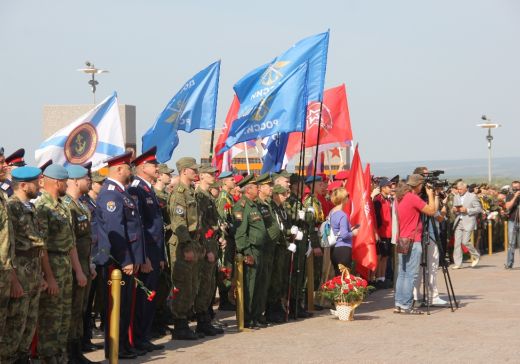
76,171
310,179
55,171
225,174
26,174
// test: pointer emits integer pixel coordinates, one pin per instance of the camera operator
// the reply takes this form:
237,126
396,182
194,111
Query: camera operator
512,201
410,206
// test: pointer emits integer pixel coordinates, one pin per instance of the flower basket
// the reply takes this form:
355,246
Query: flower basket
345,310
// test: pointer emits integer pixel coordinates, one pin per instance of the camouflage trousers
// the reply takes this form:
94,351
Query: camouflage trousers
22,313
79,302
254,287
185,277
207,281
55,311
5,291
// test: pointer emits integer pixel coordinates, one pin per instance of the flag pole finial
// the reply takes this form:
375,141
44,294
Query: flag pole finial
91,70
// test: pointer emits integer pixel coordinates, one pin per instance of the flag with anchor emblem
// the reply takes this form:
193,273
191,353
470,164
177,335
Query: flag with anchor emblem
94,136
256,84
280,111
193,107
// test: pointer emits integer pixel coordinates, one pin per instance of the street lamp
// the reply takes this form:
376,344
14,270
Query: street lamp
489,125
93,71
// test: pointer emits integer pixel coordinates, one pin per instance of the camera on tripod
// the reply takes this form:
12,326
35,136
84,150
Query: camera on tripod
432,179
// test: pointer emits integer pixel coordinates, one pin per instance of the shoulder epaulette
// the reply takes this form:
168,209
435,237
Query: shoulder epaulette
5,186
135,183
111,187
242,203
181,189
67,199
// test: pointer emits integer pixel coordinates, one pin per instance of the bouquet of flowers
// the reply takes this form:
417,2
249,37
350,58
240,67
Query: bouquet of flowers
345,288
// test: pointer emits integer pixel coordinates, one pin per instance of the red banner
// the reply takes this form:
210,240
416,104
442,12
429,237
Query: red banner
221,141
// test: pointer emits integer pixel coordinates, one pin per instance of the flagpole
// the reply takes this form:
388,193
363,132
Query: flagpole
247,158
211,146
330,165
317,150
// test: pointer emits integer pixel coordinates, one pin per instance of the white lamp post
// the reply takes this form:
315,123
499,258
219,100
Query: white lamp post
489,125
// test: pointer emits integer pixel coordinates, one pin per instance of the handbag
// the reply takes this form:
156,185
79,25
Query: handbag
328,238
404,245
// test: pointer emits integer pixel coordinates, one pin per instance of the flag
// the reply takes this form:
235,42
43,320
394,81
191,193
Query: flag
335,123
274,153
222,161
367,176
364,245
253,87
280,111
193,107
93,137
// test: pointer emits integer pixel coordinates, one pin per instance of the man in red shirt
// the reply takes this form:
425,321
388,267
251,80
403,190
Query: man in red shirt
383,212
409,209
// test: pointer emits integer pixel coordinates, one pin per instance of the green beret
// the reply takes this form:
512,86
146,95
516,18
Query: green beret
264,179
163,168
26,174
279,189
207,168
55,171
247,180
187,162
97,177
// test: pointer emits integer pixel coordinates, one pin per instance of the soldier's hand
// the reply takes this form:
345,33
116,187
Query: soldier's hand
147,266
162,264
43,285
52,287
81,278
211,257
128,269
249,260
16,289
93,273
222,242
189,256
317,252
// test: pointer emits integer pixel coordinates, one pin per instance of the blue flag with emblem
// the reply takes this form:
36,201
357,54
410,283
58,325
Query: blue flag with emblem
93,137
193,107
283,110
259,82
274,158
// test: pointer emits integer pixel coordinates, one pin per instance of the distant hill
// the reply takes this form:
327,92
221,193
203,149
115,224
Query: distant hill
502,168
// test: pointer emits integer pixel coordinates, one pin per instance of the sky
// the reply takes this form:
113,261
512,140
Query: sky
419,74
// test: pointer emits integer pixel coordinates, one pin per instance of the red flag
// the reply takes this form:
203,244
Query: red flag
218,160
368,187
364,245
335,122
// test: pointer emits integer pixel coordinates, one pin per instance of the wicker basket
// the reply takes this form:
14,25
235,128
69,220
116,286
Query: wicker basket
345,310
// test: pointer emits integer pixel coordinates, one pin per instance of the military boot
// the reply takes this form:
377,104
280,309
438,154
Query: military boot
22,359
48,360
204,325
182,331
78,354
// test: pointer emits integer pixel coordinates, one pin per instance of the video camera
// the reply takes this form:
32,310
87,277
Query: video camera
432,179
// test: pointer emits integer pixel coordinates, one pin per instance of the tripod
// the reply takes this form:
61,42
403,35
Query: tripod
425,242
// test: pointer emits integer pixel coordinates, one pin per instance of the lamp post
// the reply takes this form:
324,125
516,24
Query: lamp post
93,71
489,125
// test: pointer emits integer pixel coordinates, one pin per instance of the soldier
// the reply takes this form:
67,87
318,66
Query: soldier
59,260
13,161
153,227
6,251
120,243
225,204
209,227
251,237
185,249
77,185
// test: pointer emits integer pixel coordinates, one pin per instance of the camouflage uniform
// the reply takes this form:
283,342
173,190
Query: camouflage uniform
82,229
6,265
22,314
55,311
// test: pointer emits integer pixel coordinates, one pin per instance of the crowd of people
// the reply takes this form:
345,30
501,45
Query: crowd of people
176,240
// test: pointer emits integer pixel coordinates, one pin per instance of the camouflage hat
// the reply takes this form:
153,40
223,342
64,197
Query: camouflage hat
264,179
97,177
216,185
247,180
279,189
207,168
282,173
186,162
163,168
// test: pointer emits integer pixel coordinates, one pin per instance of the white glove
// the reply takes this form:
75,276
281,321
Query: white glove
299,235
301,214
310,209
292,248
294,229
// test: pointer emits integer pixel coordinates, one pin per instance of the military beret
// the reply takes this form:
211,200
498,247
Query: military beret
146,157
323,176
333,185
97,177
247,180
207,168
341,175
55,171
264,179
216,185
186,162
87,166
163,168
238,178
279,189
282,173
295,177
311,179
16,158
26,174
45,165
225,174
76,171
120,159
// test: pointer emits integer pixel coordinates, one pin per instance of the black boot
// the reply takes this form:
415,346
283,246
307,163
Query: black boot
79,354
182,331
204,325
23,359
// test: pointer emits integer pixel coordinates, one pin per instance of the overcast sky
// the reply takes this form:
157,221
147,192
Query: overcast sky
419,74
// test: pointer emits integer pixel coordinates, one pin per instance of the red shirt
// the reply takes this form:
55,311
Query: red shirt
383,210
409,215
326,205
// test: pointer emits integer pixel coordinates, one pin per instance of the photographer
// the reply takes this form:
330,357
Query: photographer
409,209
513,227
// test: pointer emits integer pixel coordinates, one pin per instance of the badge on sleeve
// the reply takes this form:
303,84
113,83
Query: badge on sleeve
179,210
111,206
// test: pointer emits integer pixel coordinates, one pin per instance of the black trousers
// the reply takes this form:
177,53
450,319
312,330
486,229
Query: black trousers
341,255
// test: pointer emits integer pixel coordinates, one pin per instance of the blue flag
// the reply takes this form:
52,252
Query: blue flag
193,107
259,82
283,110
275,156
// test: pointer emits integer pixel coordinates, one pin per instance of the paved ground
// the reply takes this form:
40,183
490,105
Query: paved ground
485,329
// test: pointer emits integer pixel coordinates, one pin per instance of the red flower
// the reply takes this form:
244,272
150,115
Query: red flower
331,285
175,292
226,272
236,198
151,296
345,291
350,286
227,206
209,234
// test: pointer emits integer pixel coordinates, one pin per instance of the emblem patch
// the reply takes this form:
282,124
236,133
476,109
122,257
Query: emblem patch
111,206
81,144
149,201
179,210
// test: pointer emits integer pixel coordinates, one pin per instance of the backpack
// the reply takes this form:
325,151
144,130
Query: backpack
328,238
